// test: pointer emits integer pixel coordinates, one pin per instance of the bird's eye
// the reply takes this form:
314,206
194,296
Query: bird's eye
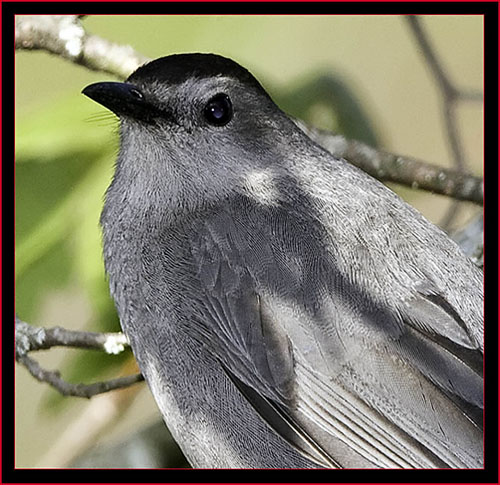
219,110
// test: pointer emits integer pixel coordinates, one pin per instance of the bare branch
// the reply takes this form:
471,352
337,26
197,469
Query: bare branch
78,390
430,56
399,169
30,338
446,86
65,36
471,95
450,95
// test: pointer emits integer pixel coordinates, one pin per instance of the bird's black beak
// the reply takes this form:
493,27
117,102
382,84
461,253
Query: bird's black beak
121,98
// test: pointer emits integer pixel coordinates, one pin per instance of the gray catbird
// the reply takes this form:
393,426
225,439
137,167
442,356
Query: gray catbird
286,309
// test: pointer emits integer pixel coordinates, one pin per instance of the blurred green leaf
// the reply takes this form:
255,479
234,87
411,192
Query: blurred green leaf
57,223
53,271
59,159
69,125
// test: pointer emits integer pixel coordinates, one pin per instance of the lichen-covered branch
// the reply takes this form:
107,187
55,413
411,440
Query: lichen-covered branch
65,36
30,338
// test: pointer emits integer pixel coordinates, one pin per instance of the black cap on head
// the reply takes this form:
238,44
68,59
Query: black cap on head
177,68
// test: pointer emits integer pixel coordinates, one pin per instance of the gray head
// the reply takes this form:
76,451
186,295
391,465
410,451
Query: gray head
197,122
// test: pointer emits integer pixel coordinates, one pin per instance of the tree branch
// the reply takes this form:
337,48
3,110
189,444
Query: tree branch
450,95
30,338
78,390
389,167
65,36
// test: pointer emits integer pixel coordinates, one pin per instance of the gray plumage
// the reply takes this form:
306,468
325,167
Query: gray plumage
285,308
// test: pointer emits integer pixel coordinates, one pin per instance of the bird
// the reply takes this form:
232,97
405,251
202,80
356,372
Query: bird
286,309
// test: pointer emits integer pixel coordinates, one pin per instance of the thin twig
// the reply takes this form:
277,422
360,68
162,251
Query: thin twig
30,338
450,95
445,85
78,390
471,95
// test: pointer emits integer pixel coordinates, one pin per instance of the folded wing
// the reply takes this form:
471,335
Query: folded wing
348,383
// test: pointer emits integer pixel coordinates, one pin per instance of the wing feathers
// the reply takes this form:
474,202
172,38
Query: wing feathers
335,380
281,421
366,431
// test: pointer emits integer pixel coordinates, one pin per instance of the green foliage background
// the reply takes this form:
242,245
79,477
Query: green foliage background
358,75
